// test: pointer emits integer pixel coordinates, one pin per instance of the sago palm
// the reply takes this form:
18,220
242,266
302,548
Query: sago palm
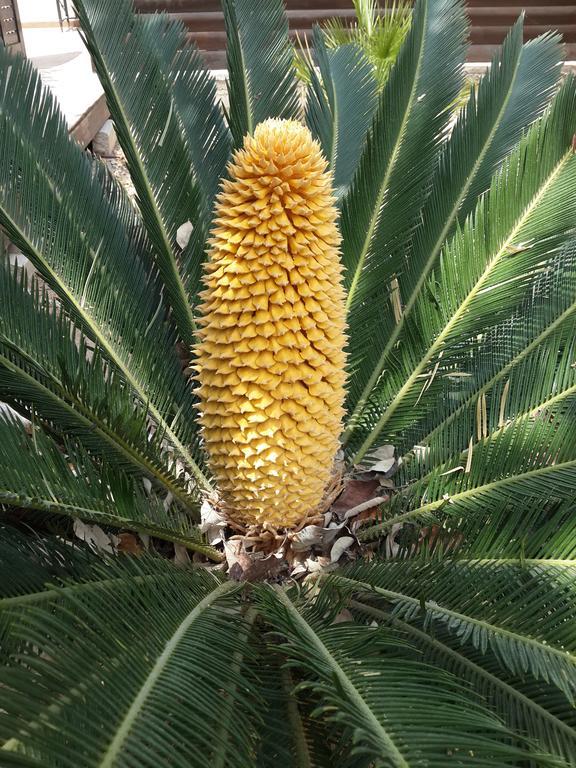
378,29
349,394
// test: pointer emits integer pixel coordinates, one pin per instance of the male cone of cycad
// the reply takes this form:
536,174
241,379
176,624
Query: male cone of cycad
270,359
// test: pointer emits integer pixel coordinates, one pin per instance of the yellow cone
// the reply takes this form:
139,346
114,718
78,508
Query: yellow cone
271,354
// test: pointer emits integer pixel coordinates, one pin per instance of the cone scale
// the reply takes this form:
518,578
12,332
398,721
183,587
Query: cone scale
270,357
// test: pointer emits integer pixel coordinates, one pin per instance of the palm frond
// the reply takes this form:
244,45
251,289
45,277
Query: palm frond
36,474
538,710
523,367
541,533
403,140
525,615
208,140
513,94
533,461
486,271
131,669
79,230
261,77
370,685
289,736
45,371
29,562
340,105
194,96
135,74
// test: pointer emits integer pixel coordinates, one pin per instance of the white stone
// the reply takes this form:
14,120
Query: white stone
105,141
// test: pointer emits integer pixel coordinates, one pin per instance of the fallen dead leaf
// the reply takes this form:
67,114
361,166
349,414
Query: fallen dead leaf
340,546
355,493
129,543
183,234
95,537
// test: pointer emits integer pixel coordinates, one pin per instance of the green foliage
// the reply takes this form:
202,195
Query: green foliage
459,239
379,29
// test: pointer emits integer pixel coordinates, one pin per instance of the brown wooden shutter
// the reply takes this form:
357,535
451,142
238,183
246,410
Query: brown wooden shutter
490,19
10,27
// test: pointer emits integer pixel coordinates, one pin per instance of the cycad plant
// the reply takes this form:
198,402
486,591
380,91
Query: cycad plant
400,594
379,30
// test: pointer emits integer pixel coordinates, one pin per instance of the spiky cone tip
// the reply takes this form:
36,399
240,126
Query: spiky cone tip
270,356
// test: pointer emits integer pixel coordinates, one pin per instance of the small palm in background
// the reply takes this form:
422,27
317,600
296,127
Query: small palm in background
378,30
427,618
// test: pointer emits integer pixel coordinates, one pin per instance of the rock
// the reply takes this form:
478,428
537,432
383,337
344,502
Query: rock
105,142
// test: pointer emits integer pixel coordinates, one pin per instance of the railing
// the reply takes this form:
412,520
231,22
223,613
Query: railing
65,13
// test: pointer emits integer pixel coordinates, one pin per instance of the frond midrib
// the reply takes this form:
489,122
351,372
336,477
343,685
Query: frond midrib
342,678
116,744
389,171
429,263
303,756
434,607
457,315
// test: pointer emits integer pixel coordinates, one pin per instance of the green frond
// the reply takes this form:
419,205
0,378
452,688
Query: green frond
45,371
261,77
132,669
403,139
340,105
532,461
512,95
289,736
134,64
521,368
27,562
371,687
79,230
538,710
195,105
485,272
36,474
524,615
540,531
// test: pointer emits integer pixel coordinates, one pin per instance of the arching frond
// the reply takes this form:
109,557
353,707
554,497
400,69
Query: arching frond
193,94
486,270
513,94
540,711
45,372
79,230
261,76
289,736
533,461
35,474
524,614
374,690
403,140
145,681
341,100
134,64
